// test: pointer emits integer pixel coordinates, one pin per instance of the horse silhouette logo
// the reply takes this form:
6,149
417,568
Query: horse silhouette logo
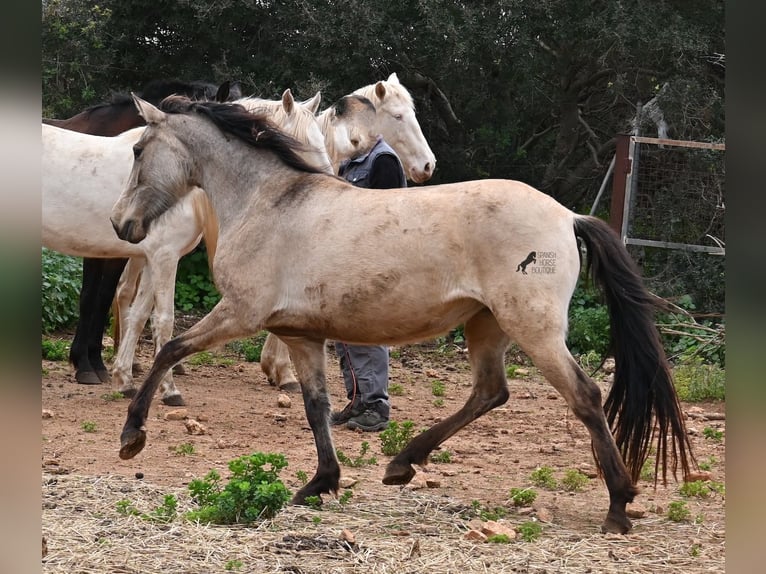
531,258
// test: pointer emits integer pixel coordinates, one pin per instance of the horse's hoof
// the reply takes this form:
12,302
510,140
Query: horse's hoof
615,525
87,378
128,393
136,369
398,473
292,387
103,375
174,401
179,369
132,442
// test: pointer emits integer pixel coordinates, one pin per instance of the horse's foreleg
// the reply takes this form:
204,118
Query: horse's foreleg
134,307
222,324
486,348
163,270
309,358
275,364
584,398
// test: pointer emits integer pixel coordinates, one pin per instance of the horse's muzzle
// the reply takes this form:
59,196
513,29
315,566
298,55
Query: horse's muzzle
128,231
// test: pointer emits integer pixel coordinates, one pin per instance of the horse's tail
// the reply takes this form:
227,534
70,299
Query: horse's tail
642,400
206,219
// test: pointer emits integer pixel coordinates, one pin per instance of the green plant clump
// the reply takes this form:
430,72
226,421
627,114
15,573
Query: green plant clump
55,350
574,480
250,349
523,496
543,477
253,492
529,531
61,282
359,460
588,322
395,437
677,511
697,381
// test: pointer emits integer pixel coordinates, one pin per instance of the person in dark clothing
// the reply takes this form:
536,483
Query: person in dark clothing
365,367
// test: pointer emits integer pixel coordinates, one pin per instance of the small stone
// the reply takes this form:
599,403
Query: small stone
348,536
47,414
347,482
280,418
475,535
203,418
493,528
521,372
634,510
544,514
176,415
432,483
284,401
701,475
139,475
193,427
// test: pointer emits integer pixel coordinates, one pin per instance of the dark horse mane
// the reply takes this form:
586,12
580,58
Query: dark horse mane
157,90
253,128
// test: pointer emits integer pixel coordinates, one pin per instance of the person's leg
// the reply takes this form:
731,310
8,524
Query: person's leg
354,405
369,365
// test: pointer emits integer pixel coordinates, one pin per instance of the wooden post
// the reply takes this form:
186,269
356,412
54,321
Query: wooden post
622,168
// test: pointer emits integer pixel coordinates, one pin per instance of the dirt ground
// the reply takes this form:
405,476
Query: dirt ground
83,479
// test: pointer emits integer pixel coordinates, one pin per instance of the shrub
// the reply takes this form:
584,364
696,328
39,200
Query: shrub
194,287
252,493
61,283
359,460
695,380
55,350
588,322
677,511
250,349
529,531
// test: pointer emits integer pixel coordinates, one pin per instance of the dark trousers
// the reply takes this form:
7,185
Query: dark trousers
365,373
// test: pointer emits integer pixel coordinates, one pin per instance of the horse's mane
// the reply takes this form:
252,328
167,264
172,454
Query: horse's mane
349,102
157,90
253,128
275,109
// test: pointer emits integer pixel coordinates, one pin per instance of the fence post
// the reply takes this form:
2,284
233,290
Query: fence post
622,168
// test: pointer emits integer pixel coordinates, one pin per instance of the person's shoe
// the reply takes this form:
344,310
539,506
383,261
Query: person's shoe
369,421
343,416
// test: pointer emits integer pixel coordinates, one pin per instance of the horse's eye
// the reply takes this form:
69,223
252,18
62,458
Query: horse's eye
398,117
137,151
355,143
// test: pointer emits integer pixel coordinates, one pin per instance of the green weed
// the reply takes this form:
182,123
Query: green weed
523,496
395,437
543,477
88,426
55,349
437,388
677,511
574,480
443,456
529,531
358,460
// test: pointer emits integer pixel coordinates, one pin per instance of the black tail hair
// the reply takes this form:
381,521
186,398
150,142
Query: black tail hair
642,406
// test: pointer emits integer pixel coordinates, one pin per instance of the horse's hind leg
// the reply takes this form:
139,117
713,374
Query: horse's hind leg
551,356
309,358
275,364
222,324
486,347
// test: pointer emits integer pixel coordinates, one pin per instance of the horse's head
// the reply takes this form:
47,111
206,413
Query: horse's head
349,128
298,120
161,175
397,123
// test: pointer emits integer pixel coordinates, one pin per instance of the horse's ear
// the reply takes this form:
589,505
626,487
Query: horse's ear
393,78
380,90
288,102
147,111
222,94
313,104
235,90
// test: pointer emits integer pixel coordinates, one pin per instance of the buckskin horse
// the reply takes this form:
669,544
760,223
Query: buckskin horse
429,261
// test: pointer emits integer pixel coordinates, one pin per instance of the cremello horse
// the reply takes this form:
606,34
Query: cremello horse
395,120
428,261
82,178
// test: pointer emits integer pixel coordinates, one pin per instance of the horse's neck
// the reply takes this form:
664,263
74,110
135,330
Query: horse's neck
238,178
